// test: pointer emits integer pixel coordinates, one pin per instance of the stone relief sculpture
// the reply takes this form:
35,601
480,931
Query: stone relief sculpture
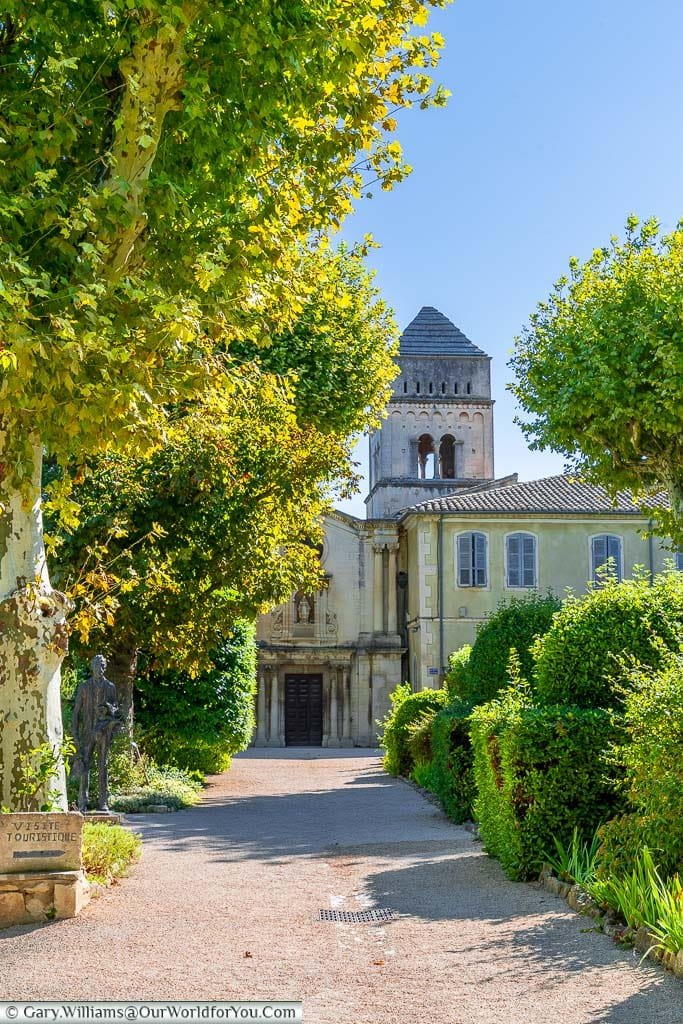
331,623
277,623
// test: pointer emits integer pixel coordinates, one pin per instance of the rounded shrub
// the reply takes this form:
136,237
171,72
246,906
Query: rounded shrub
651,756
456,676
198,724
514,626
583,658
407,708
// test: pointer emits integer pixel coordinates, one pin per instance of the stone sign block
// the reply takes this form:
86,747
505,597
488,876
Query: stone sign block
40,842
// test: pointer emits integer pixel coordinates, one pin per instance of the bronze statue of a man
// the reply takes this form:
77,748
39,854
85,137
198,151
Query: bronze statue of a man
94,722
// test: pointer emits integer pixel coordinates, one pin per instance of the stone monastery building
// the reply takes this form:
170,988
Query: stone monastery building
442,544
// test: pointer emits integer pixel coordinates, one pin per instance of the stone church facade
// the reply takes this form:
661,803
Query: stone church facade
442,544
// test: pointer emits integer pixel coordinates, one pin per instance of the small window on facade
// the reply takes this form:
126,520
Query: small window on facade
521,560
405,387
417,388
603,549
678,559
469,388
443,388
472,560
431,388
455,389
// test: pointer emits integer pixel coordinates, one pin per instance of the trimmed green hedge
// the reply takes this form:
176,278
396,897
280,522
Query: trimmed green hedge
451,776
407,708
652,758
540,773
578,659
513,626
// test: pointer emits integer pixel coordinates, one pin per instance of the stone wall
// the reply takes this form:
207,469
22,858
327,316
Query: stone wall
33,897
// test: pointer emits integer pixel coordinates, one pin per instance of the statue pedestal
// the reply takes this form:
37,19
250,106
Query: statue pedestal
102,818
34,896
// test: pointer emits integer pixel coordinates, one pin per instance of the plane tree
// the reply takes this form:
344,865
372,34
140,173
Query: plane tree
599,370
162,163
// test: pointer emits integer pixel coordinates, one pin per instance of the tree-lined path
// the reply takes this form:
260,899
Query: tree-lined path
225,904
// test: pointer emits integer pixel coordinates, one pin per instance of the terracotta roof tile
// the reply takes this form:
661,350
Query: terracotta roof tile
552,494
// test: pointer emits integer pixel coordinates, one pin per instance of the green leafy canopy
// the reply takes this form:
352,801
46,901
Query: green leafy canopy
599,368
162,165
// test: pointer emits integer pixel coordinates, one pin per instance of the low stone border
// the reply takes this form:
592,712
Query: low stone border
609,922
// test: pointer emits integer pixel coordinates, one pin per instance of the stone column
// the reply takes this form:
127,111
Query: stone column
274,739
333,740
378,589
281,711
347,738
261,710
326,707
392,611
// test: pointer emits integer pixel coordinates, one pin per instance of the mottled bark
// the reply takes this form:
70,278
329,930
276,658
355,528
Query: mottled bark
152,76
675,489
33,638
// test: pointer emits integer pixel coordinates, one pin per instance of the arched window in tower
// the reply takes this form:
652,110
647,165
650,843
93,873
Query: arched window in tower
455,388
447,457
469,387
431,388
443,387
425,457
405,387
417,388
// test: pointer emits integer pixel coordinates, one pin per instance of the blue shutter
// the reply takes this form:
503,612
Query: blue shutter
521,560
528,561
679,560
599,554
614,552
465,560
479,559
514,561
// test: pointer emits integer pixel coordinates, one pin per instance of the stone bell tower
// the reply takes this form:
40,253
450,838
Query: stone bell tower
438,434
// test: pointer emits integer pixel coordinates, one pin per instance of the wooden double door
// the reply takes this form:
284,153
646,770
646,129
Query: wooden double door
303,710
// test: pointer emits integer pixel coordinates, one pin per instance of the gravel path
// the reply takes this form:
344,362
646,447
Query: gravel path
225,901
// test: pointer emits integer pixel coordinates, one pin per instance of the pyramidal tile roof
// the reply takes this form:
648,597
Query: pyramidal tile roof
432,334
552,494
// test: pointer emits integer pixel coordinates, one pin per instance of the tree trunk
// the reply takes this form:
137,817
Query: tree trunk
33,641
122,665
675,489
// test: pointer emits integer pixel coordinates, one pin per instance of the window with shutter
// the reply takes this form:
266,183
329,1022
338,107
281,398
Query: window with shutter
529,561
479,559
605,547
679,559
465,560
521,560
472,560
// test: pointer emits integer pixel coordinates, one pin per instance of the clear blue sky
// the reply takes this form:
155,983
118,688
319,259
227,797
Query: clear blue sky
565,117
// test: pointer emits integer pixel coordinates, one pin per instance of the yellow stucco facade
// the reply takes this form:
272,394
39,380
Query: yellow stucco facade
443,614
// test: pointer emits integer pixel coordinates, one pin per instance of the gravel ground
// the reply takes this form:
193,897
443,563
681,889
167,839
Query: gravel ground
225,902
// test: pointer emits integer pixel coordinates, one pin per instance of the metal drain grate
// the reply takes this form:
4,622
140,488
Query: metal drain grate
357,916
